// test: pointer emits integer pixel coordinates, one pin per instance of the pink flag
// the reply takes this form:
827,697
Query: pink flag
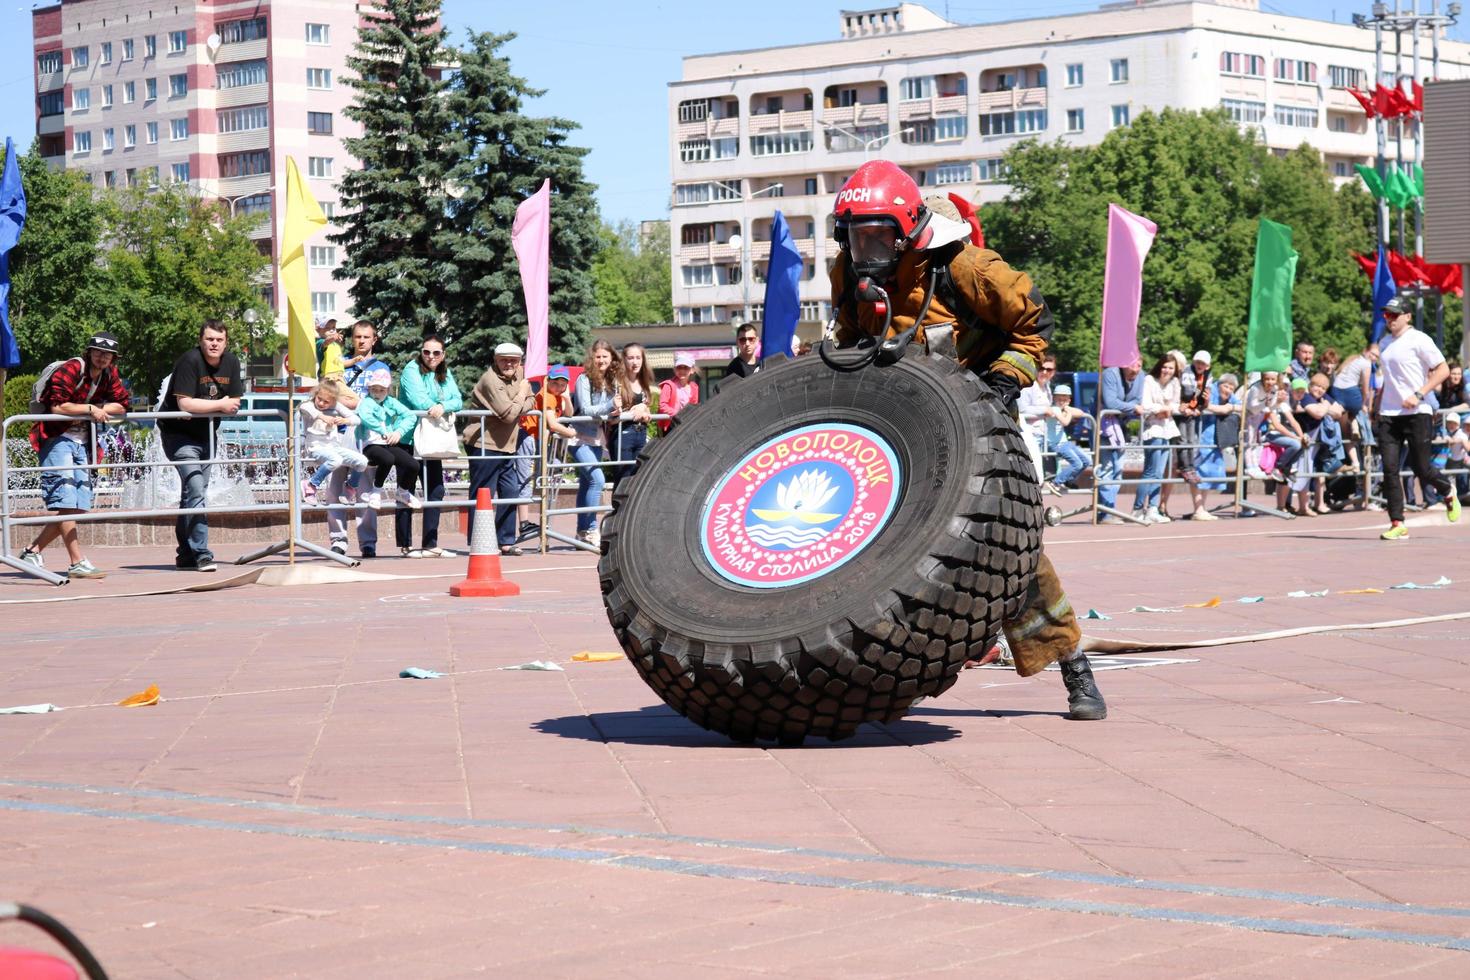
531,237
1129,238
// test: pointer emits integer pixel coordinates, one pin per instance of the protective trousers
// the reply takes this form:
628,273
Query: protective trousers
1046,631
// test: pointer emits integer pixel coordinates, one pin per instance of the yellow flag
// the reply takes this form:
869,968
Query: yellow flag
303,217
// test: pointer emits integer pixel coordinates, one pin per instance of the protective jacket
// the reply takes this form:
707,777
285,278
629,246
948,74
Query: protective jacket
1002,323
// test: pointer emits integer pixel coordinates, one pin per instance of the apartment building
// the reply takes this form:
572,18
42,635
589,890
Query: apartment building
212,94
782,128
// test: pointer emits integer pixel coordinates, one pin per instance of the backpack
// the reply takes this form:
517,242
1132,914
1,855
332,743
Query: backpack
38,390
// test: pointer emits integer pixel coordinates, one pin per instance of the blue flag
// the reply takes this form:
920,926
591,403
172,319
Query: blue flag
12,220
1384,289
783,291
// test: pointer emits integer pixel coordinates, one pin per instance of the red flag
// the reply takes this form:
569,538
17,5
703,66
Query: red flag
1401,106
971,217
1368,262
1383,101
1363,100
1418,97
1445,278
1403,270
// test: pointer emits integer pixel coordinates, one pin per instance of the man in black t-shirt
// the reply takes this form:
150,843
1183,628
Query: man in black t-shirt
205,381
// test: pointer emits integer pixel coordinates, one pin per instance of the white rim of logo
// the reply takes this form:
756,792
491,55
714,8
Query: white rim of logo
800,547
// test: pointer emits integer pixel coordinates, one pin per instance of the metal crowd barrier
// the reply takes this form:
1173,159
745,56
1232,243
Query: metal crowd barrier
550,467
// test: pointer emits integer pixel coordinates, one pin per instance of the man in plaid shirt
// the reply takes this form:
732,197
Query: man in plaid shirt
88,389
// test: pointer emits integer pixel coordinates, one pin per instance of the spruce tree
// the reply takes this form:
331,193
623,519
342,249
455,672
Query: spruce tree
501,157
393,203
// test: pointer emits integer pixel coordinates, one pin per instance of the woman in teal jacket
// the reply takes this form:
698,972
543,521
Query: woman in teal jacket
386,425
427,385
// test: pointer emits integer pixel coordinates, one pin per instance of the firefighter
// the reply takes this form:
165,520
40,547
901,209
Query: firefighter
1002,326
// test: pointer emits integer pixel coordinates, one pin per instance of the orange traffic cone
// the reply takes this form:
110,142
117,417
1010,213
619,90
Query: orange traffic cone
484,577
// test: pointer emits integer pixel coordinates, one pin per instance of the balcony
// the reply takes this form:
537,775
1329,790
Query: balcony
229,98
1011,100
708,128
249,139
1243,87
47,125
708,118
46,81
1299,93
1340,100
242,51
854,116
761,251
936,105
785,121
708,253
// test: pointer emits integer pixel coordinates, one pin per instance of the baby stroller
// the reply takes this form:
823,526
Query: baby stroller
28,964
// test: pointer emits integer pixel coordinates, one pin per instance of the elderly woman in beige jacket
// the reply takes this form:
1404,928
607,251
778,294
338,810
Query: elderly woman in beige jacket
490,440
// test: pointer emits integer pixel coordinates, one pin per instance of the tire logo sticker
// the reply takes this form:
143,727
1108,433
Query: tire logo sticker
800,505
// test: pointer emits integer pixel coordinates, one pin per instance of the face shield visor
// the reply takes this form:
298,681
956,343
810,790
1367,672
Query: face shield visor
874,248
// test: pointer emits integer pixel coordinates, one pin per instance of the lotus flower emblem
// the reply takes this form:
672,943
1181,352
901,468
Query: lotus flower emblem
802,498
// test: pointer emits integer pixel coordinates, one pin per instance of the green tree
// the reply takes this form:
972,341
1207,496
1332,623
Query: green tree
55,269
1206,183
172,261
502,156
632,275
394,202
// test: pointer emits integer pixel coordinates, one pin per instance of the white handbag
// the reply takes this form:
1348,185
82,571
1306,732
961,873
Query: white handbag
435,438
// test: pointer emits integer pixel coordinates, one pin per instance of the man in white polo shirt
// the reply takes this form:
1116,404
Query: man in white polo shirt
1412,367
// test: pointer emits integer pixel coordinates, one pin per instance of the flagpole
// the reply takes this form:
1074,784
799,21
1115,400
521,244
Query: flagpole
293,477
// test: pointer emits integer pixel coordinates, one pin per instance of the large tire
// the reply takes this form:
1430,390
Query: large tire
789,636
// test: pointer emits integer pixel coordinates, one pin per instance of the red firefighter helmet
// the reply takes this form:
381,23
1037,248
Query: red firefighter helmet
879,213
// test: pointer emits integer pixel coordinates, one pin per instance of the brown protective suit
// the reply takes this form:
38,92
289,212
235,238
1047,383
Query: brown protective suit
1005,329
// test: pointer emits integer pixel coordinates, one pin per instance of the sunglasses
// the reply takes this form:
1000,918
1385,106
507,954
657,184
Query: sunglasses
432,353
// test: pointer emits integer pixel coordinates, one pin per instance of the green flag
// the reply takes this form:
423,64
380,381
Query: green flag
1418,180
1268,338
1399,188
1371,178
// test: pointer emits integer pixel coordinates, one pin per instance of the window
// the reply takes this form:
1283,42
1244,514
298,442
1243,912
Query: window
81,98
1340,77
951,173
951,128
48,62
150,89
991,169
911,89
107,140
777,144
319,123
1007,123
813,310
128,50
109,178
319,167
324,302
704,193
696,314
107,96
1237,63
246,164
80,57
693,110
178,86
1339,124
130,137
82,142
152,132
1119,70
104,56
318,34
1300,117
243,73
1244,112
150,175
239,31
323,256
51,104
1340,168
180,172
243,119
329,209
699,275
319,78
1120,116
1074,120
809,187
261,204
178,129
150,46
1074,76
130,92
847,97
178,41
694,151
132,177
1295,70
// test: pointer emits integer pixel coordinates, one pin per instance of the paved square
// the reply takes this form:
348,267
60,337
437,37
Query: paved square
294,808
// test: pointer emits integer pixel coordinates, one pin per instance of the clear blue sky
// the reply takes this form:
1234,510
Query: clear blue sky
607,65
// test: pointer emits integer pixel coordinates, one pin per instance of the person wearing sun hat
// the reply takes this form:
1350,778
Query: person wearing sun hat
490,440
1411,367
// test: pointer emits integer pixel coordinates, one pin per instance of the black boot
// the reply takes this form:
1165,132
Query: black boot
1085,699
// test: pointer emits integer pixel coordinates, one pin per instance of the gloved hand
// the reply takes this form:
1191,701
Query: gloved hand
1007,387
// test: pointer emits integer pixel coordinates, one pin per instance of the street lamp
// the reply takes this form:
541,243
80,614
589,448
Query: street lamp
737,242
867,144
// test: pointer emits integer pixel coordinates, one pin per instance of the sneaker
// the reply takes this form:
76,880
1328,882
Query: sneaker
1156,516
592,537
413,553
33,558
1110,519
440,553
407,499
373,498
308,491
206,565
1140,515
1052,488
85,569
1453,506
368,552
338,548
1395,533
1203,515
349,494
511,551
